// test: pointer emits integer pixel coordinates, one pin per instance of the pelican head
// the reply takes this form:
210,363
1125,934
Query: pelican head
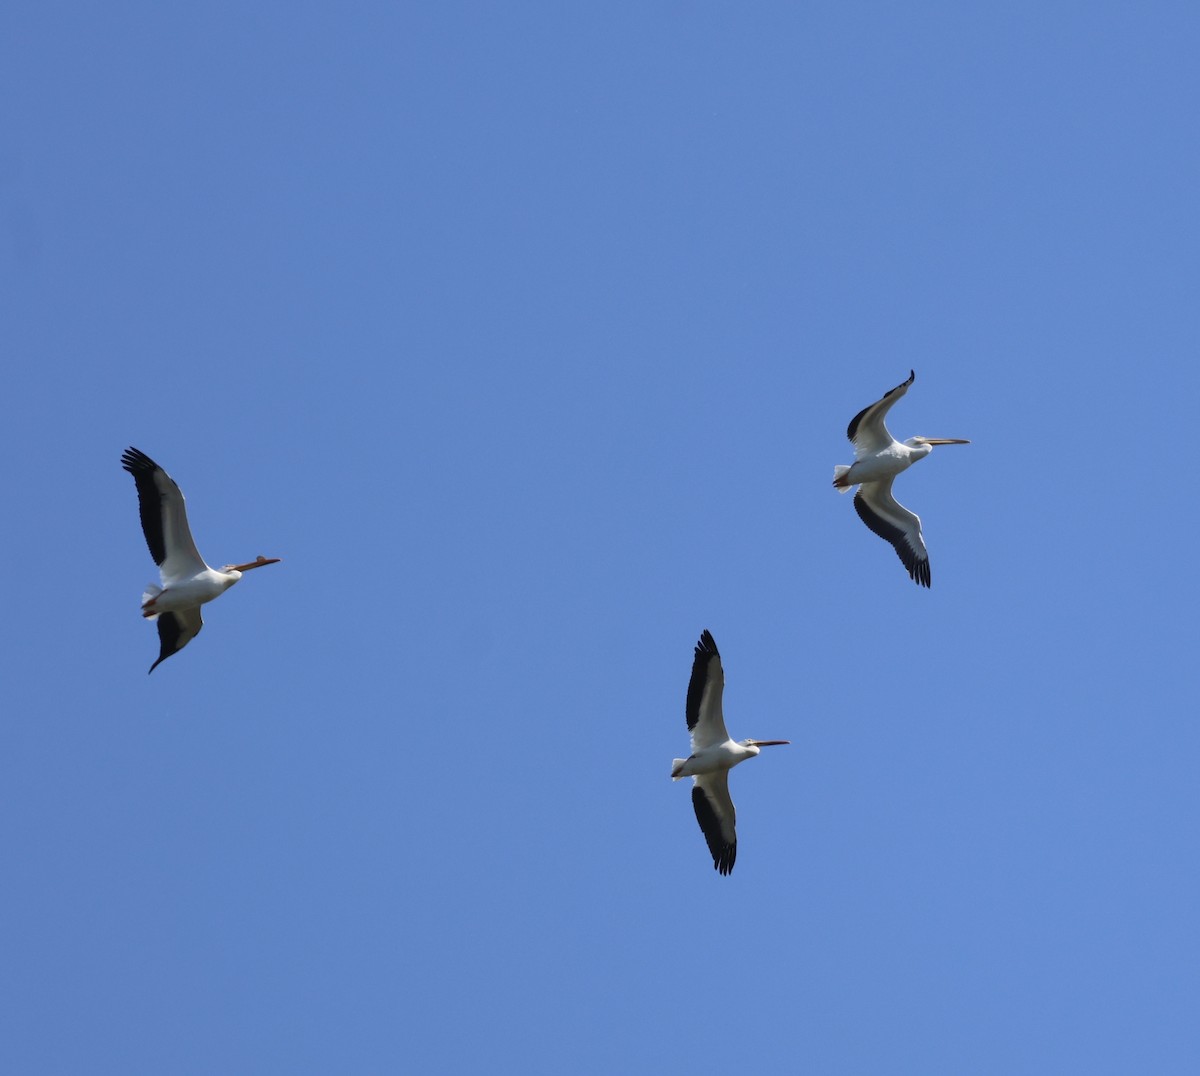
258,563
916,442
754,745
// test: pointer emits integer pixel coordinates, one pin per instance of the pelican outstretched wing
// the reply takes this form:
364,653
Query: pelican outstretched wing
717,817
164,518
894,523
867,431
704,718
175,631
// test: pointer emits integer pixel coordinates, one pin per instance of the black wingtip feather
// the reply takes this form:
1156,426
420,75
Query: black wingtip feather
170,631
724,855
918,567
134,461
142,467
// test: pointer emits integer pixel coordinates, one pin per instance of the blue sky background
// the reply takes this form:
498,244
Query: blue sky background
527,334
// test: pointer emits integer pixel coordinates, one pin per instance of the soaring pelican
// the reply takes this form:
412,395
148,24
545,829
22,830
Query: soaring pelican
878,458
713,755
187,582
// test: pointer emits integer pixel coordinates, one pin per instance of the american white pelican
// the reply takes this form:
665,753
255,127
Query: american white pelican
878,458
713,755
187,582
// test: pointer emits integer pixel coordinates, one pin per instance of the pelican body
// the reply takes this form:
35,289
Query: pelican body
879,457
717,757
713,755
187,582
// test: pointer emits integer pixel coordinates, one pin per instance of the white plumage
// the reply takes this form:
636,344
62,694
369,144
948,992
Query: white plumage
187,582
713,755
879,457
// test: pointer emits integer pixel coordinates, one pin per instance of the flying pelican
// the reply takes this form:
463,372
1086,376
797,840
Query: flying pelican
878,458
713,755
187,582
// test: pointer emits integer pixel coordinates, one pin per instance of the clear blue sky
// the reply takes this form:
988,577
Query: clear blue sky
527,335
